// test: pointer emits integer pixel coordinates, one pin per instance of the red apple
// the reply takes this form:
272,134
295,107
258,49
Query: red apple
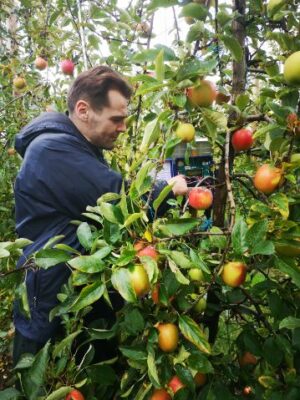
139,280
200,379
155,294
148,251
234,273
247,358
175,384
203,94
11,151
200,198
242,139
75,395
67,67
222,98
160,394
247,390
167,337
267,178
139,245
40,63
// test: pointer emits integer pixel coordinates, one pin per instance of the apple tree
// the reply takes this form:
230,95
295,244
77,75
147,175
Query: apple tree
210,282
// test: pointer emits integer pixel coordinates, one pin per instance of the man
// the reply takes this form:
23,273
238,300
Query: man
62,173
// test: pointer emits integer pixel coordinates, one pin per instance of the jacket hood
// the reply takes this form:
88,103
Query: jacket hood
48,122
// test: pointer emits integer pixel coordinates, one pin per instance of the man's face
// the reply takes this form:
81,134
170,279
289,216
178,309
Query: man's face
104,126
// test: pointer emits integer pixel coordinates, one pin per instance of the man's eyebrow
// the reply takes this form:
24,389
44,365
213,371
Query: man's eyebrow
119,116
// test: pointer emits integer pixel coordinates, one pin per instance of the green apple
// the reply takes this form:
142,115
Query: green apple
292,69
196,275
200,306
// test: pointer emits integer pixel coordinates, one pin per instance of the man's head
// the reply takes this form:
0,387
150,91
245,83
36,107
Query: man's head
97,104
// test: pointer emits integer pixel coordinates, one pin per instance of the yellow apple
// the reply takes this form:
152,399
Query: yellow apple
167,337
19,82
234,273
139,280
292,69
186,132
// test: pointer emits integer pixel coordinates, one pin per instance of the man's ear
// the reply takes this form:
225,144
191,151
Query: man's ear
82,110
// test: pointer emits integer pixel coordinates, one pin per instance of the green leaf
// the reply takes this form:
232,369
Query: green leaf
233,46
111,213
193,68
239,237
281,204
162,3
22,294
84,235
152,369
151,134
47,258
132,218
291,271
107,197
134,321
178,274
162,195
242,101
60,393
178,226
4,253
10,394
88,295
194,10
65,247
121,282
193,333
151,268
195,32
65,344
200,363
21,242
141,176
290,323
33,378
134,352
160,66
91,264
264,247
256,233
216,118
180,259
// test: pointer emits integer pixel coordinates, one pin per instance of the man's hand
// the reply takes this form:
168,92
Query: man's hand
179,185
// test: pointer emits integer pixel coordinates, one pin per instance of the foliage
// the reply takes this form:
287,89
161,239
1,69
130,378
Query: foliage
262,316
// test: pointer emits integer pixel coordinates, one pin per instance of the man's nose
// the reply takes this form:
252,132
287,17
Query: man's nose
121,126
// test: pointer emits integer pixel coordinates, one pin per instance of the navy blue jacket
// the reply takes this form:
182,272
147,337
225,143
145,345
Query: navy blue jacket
62,173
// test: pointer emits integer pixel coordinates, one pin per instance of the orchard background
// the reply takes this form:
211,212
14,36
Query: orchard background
231,335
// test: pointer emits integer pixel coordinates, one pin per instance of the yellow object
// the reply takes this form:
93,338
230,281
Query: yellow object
186,132
292,69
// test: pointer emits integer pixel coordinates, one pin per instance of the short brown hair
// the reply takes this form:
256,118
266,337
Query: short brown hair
93,86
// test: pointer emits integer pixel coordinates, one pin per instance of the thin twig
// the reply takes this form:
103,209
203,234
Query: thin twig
228,182
176,25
